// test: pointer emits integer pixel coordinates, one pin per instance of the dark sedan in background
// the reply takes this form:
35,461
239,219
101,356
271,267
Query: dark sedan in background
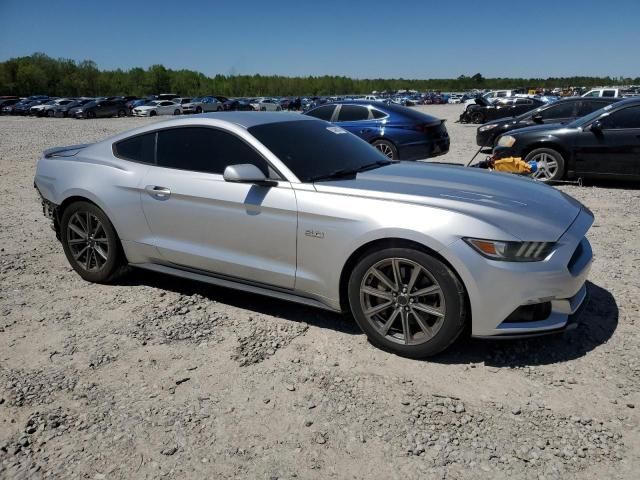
605,143
562,111
398,132
484,110
62,111
101,108
237,104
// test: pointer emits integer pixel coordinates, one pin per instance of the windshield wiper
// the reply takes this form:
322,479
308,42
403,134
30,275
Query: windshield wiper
348,172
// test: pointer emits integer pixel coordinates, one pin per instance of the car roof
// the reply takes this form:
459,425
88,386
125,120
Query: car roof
251,119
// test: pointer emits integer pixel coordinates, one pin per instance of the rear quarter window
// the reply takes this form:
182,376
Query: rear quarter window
140,148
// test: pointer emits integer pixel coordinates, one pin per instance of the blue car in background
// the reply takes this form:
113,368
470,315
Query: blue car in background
399,132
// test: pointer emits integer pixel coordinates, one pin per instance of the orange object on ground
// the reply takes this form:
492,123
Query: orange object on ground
511,165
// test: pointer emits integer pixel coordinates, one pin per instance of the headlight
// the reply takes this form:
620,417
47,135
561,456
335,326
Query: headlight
511,251
506,141
484,128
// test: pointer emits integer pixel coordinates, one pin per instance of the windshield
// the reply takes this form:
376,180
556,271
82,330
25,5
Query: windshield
92,103
197,99
590,117
312,149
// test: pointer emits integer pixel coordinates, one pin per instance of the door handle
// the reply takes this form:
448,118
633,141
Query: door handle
161,193
365,130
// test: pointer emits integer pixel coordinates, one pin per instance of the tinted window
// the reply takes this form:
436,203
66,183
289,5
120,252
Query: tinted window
588,106
560,110
377,113
139,148
524,101
204,149
312,149
609,93
323,113
351,113
625,118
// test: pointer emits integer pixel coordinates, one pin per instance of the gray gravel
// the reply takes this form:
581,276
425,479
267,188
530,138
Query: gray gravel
157,377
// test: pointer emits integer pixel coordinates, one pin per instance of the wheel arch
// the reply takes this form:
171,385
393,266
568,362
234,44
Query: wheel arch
393,242
80,197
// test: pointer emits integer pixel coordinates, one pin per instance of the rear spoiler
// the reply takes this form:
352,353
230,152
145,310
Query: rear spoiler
67,151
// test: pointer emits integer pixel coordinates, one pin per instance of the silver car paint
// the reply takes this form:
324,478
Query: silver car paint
297,237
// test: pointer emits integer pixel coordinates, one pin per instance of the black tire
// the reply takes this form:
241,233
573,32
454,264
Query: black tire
451,291
551,174
122,113
386,148
198,109
91,114
87,263
51,113
278,109
152,113
176,112
477,117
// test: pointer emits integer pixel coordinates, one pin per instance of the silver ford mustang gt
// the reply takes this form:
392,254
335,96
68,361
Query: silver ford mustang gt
299,209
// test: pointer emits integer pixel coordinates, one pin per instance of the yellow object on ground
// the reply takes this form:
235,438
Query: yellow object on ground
512,165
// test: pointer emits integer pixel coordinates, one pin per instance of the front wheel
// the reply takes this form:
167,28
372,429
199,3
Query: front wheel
407,302
122,113
90,243
176,112
387,148
152,113
50,113
550,164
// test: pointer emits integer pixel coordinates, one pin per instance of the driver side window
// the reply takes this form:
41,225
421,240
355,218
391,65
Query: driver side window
622,119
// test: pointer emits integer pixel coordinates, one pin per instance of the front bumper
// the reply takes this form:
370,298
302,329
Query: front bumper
498,290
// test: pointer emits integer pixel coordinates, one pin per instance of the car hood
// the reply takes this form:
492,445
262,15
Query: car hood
550,127
521,207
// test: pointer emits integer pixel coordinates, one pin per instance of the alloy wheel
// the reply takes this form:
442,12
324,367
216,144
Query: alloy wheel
88,241
403,301
385,149
547,166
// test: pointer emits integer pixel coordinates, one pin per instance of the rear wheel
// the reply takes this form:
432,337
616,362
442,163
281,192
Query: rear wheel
91,114
477,117
122,113
549,162
387,148
407,301
90,243
50,113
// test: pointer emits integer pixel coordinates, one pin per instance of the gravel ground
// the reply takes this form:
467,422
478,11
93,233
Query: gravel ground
163,378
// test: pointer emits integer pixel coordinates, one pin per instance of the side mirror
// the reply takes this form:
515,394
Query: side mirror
246,173
596,126
537,118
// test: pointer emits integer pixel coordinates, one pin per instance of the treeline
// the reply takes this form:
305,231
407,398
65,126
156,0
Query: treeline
41,74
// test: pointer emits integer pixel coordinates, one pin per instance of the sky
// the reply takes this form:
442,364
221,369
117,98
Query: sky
360,39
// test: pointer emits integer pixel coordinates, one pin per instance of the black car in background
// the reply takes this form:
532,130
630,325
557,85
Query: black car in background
484,110
5,103
562,111
605,143
237,104
101,108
